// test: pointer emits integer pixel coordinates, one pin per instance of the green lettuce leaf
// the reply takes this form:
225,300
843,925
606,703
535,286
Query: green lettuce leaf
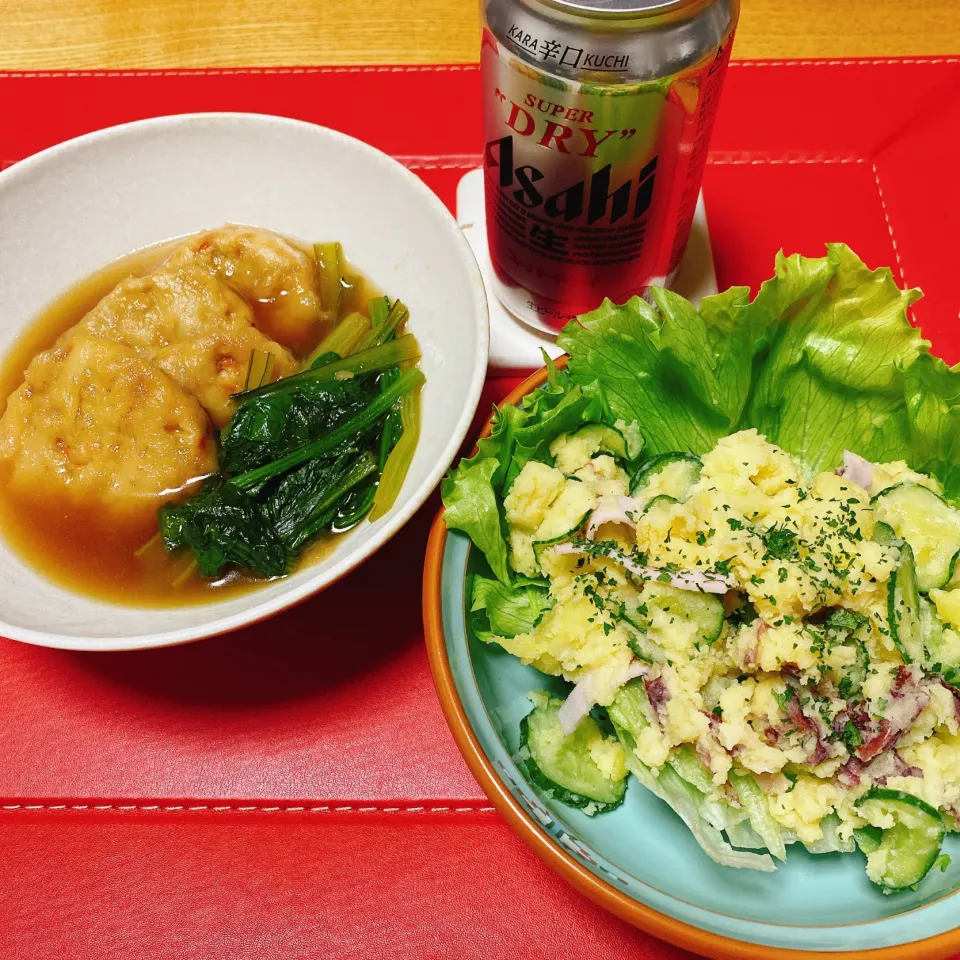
532,440
682,375
933,413
470,505
833,378
716,342
823,360
507,610
472,494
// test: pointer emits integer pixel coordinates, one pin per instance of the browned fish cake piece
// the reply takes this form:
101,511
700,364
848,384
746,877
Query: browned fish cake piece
279,279
93,420
189,323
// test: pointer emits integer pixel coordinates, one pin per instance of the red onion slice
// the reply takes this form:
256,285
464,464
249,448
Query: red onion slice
613,510
695,581
581,698
856,470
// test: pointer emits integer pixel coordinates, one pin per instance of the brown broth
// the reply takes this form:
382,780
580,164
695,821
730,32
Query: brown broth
121,561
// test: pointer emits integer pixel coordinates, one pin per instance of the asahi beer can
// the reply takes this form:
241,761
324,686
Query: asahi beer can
597,118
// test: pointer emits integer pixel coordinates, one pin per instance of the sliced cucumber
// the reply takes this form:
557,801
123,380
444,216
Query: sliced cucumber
630,711
567,513
704,609
670,473
931,527
645,649
868,838
658,500
540,545
884,534
909,848
941,649
903,609
562,765
565,517
632,435
688,765
603,439
931,630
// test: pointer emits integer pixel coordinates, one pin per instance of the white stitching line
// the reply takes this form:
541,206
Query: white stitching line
431,68
753,161
244,71
886,216
411,163
231,808
468,163
852,62
460,165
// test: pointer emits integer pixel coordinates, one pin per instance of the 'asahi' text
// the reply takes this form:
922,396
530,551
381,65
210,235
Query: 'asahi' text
593,196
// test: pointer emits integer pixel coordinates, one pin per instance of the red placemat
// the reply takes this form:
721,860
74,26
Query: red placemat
291,790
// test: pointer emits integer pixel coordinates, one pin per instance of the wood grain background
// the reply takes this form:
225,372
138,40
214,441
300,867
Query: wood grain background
126,34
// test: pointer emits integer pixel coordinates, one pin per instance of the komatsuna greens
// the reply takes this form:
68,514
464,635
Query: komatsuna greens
311,453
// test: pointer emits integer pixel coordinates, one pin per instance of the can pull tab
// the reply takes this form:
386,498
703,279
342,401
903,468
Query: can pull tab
516,346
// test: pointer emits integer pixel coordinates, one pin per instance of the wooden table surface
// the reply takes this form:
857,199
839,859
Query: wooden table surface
127,34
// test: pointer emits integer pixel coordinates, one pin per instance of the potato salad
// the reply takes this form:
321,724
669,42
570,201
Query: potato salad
762,634
762,630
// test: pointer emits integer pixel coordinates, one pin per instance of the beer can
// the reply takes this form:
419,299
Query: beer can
597,118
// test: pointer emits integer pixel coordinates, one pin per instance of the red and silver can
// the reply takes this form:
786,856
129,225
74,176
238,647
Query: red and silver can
597,118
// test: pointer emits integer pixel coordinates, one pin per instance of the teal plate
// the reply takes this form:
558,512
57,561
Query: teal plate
643,850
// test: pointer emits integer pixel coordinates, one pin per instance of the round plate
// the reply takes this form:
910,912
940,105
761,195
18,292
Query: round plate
640,861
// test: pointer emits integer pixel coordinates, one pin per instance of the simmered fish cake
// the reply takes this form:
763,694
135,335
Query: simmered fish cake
193,326
95,421
267,271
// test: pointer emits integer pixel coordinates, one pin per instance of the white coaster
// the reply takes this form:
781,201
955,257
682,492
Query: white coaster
515,346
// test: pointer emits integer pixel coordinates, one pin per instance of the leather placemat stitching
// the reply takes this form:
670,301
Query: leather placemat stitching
241,808
850,62
440,67
886,216
242,71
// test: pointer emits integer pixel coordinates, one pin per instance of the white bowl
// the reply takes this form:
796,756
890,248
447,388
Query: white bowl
72,209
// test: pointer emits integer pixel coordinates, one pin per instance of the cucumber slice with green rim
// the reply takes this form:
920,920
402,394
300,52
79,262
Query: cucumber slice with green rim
930,525
629,712
903,609
688,765
675,474
642,646
540,545
941,655
868,838
931,629
704,609
603,439
884,534
909,848
561,765
566,514
565,517
661,498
